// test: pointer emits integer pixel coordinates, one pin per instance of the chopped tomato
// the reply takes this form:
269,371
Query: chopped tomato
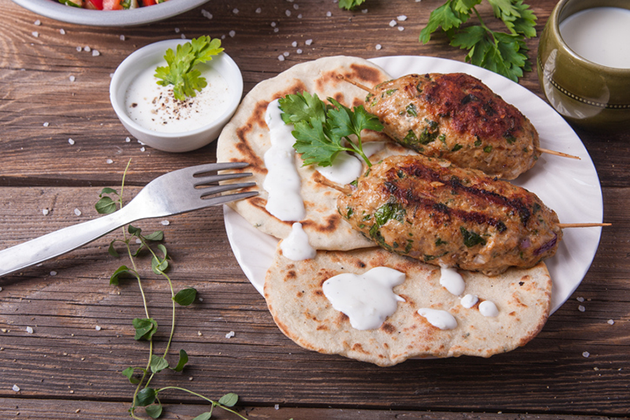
94,4
148,2
112,5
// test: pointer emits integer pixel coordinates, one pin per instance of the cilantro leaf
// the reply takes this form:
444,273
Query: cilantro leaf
350,4
322,131
181,72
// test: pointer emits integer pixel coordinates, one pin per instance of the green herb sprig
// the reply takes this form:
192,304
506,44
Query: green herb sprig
350,4
323,130
501,52
181,72
145,328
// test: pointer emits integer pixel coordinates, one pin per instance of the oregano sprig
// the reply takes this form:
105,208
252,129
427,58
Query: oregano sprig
145,328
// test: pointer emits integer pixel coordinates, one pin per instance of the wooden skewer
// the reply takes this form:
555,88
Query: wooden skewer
540,149
578,225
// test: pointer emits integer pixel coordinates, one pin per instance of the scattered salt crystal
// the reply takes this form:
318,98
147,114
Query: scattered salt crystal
400,28
286,53
230,334
138,241
206,14
142,149
53,273
232,34
176,30
98,328
16,388
299,51
29,330
95,53
165,222
364,11
276,30
0,289
586,354
72,78
77,212
87,48
37,22
199,333
402,18
277,406
122,37
71,141
35,34
299,16
62,31
128,139
581,308
611,322
393,23
199,299
259,10
79,49
287,12
281,57
328,14
273,24
109,161
295,6
580,299
235,11
46,124
378,46
294,44
45,212
308,42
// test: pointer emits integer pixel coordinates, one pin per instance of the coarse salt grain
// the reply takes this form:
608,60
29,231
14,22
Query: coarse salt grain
206,14
259,10
72,78
286,53
296,7
122,37
176,30
109,161
232,34
37,22
95,53
294,44
77,212
62,31
364,11
98,328
281,57
87,48
235,11
611,322
53,273
277,406
299,51
299,16
71,141
16,388
580,299
378,46
35,34
142,149
581,308
400,28
46,124
165,222
45,212
29,330
586,354
402,18
273,24
79,49
393,23
128,139
230,334
328,14
308,42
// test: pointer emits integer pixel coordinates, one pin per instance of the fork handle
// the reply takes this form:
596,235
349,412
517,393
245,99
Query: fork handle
59,242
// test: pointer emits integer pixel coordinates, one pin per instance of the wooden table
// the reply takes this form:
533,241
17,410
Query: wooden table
70,365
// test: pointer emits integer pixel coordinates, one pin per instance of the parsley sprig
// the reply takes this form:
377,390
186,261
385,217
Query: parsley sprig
502,52
145,328
350,4
323,130
181,72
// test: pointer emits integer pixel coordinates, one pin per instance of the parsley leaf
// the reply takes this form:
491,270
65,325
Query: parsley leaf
350,4
502,52
322,131
181,72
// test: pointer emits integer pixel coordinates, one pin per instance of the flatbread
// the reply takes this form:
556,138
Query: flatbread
246,139
293,291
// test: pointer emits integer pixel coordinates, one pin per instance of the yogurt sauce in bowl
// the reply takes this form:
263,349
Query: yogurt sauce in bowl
151,113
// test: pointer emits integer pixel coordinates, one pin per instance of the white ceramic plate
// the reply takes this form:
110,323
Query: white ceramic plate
143,15
570,187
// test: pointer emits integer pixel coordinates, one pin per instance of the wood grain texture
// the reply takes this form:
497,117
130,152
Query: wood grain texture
68,368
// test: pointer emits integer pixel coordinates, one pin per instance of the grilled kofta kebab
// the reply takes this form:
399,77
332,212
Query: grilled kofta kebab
433,211
456,117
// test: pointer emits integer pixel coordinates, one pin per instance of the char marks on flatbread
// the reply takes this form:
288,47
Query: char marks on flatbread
246,139
295,298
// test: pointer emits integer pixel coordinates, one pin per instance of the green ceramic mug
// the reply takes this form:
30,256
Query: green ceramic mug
585,93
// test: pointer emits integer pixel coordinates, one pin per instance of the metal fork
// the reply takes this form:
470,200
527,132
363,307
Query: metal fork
172,193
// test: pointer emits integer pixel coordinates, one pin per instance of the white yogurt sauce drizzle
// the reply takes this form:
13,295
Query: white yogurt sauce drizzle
488,308
452,281
296,247
367,299
282,181
469,301
438,318
345,169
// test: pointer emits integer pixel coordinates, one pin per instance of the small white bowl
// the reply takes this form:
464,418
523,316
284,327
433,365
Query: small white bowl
151,56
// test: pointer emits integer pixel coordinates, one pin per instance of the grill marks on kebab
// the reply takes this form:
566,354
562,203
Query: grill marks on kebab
430,210
456,117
